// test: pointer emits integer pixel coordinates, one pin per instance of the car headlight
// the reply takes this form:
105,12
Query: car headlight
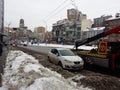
68,61
82,62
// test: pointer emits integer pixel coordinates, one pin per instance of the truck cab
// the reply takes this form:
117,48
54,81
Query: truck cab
106,55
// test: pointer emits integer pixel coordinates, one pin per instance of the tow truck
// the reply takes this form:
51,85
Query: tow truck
106,55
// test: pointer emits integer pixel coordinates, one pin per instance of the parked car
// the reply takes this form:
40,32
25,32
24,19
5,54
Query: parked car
24,43
65,58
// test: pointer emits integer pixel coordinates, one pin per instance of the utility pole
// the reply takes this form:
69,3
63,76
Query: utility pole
8,35
75,25
9,30
45,30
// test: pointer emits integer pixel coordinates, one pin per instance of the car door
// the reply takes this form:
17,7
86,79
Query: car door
54,56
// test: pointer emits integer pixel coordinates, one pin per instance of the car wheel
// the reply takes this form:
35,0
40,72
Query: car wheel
60,64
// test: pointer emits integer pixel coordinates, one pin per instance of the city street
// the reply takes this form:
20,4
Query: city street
40,49
59,45
96,77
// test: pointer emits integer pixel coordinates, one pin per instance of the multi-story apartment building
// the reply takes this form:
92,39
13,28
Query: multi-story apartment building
22,31
100,21
85,24
39,33
70,29
58,29
64,29
112,23
75,14
88,33
92,32
1,18
40,29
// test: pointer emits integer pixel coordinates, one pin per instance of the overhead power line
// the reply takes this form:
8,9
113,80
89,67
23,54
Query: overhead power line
50,14
58,12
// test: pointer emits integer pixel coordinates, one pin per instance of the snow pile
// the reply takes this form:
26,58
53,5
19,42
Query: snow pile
23,72
83,47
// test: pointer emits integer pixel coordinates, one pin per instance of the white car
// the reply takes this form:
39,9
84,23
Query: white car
65,58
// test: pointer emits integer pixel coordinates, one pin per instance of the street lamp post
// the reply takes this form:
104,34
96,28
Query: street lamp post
75,24
45,30
9,35
45,25
8,29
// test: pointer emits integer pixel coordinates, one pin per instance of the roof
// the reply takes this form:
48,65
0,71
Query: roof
113,18
97,28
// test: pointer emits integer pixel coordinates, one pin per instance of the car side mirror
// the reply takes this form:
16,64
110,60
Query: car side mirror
57,54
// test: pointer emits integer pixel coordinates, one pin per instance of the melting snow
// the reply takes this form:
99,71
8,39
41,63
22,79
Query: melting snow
23,72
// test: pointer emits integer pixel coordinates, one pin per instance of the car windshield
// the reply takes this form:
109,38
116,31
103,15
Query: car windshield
66,53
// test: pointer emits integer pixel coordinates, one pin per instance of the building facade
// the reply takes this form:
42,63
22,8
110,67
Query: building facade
100,21
112,23
70,29
75,14
39,33
1,18
58,30
22,30
88,33
21,23
40,29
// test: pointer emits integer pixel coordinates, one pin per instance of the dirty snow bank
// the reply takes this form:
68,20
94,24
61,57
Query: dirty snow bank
23,72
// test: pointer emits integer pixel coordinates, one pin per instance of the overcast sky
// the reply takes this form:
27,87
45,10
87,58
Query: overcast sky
46,12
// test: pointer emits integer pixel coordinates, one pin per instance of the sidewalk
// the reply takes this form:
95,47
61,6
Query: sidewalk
2,62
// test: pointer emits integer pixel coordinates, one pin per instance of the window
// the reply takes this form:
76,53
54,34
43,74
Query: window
54,51
66,53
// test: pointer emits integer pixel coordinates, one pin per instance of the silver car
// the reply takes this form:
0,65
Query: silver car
65,58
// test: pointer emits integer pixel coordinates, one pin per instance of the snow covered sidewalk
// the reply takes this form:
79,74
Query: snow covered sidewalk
23,72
